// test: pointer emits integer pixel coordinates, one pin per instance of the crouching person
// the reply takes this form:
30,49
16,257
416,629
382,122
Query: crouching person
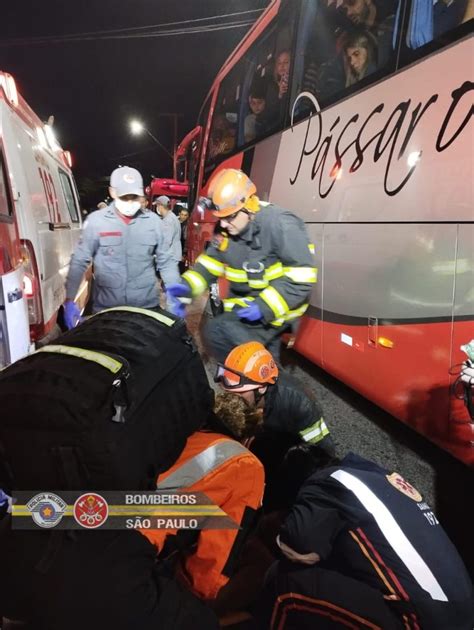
216,463
362,549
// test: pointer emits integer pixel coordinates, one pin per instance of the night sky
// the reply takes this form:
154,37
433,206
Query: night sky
94,87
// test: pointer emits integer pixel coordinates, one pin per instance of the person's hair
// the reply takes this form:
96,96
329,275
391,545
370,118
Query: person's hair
241,419
362,39
258,89
301,461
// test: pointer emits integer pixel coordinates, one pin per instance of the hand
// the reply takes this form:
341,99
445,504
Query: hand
251,312
179,289
175,306
72,314
294,556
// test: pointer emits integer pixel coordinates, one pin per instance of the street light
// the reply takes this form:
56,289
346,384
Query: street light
136,127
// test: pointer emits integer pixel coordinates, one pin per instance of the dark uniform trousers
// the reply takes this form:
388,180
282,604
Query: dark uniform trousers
298,597
222,333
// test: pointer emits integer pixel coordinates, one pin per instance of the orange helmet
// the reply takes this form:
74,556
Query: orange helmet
230,191
248,366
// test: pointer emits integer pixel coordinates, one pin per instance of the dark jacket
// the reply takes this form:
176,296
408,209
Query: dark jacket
271,262
288,408
373,526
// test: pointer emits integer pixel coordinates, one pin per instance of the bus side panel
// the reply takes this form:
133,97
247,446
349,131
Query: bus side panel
309,339
387,319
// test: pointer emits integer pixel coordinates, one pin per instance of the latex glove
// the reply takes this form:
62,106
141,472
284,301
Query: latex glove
179,289
176,307
72,314
251,312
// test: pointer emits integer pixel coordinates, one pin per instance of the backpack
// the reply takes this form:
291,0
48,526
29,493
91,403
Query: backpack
109,406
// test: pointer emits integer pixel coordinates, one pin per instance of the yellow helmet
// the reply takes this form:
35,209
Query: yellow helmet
231,190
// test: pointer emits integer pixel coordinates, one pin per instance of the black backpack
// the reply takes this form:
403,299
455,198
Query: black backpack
108,406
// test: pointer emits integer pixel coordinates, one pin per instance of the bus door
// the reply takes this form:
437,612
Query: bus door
460,425
14,326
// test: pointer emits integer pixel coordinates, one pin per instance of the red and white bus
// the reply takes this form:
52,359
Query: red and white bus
357,116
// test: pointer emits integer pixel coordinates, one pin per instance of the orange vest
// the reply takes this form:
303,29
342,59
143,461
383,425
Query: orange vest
233,478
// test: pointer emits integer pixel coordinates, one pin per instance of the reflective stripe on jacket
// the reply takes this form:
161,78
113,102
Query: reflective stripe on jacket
289,409
271,262
233,478
125,257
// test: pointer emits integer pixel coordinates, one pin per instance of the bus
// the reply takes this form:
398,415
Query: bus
357,116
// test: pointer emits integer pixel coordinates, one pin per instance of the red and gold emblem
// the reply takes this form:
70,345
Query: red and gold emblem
402,485
91,510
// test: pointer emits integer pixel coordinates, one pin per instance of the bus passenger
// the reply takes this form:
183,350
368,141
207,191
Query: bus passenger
376,18
360,52
252,122
265,253
276,90
361,548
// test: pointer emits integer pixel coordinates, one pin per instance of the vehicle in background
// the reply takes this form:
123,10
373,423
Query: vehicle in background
363,128
46,207
14,327
177,188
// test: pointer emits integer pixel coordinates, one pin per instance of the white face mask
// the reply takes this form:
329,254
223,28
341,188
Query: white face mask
127,208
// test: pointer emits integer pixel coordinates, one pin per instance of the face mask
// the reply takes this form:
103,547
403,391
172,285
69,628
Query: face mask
127,208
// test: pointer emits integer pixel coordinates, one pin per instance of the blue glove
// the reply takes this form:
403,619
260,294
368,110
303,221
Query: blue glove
180,289
72,314
251,312
173,293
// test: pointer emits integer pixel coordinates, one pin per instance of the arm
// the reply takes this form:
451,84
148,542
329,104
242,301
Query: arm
291,290
304,415
82,257
165,262
312,525
211,566
208,267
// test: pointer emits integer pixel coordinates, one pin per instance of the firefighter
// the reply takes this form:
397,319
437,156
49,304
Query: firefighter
290,414
265,254
126,246
362,549
211,462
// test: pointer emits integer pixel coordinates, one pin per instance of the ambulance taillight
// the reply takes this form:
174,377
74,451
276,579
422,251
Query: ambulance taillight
31,290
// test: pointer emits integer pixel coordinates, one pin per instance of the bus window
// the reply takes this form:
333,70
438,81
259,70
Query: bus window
222,136
340,45
252,101
437,21
69,196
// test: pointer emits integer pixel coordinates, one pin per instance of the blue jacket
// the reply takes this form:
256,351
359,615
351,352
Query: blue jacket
125,258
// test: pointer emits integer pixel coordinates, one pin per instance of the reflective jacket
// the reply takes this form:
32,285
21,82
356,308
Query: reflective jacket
125,257
270,262
372,525
233,479
288,408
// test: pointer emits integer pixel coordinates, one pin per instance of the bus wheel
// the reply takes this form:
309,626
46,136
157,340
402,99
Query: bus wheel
215,302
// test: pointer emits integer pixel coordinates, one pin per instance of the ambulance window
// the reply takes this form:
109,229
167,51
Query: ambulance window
69,196
6,206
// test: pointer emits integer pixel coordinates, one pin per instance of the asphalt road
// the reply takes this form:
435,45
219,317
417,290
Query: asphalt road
360,426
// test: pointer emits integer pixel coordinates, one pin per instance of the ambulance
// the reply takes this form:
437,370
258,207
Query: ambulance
44,208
